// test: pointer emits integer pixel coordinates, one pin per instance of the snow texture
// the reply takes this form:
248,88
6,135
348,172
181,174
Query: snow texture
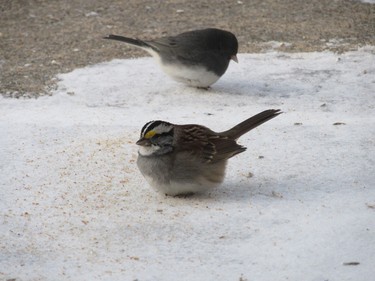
299,204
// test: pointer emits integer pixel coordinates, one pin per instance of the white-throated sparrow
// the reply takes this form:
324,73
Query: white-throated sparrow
183,159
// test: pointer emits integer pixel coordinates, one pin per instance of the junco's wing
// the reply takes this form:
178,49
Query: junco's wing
192,45
192,49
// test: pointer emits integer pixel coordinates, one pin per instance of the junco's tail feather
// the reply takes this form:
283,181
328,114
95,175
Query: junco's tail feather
131,41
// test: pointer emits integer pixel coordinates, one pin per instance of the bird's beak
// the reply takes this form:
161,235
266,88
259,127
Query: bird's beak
234,58
143,142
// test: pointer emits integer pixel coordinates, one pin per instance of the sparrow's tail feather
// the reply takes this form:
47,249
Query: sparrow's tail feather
251,123
131,41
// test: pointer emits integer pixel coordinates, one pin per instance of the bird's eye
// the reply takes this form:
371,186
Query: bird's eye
154,139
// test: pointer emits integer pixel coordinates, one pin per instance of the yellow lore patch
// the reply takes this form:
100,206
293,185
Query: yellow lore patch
149,134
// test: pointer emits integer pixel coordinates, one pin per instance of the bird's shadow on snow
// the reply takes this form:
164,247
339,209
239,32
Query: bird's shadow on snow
238,192
246,191
239,87
254,89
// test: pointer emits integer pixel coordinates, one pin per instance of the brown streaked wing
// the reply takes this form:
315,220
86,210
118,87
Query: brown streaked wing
206,144
225,148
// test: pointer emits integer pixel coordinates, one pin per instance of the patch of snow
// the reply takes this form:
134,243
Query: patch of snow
299,204
274,45
335,42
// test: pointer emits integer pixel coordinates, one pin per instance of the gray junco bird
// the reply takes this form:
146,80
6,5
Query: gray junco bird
197,58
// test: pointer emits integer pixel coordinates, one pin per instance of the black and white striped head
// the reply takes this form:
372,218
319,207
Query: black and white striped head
156,138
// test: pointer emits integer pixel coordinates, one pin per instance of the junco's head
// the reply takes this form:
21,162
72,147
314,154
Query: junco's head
223,41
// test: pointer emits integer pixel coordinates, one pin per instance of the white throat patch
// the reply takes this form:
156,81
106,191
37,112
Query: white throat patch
148,150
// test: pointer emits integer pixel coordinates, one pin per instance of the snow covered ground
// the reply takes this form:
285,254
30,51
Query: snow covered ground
299,204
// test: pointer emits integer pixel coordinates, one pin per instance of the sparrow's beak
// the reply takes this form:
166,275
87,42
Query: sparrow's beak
144,142
234,58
